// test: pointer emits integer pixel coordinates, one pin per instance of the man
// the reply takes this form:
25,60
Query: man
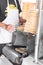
3,6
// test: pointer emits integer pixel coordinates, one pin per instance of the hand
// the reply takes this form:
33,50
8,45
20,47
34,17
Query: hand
21,20
9,27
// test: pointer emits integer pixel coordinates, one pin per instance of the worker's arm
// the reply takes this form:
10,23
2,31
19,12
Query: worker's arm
21,20
2,25
8,27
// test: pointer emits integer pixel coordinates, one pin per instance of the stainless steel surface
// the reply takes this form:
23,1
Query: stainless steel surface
4,61
12,55
20,39
38,33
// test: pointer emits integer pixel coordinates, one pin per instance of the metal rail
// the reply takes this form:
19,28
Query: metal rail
38,34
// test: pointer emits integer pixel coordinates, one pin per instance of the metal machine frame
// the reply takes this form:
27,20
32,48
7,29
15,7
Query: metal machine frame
38,35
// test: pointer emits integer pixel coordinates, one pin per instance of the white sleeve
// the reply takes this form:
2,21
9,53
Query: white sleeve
20,14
